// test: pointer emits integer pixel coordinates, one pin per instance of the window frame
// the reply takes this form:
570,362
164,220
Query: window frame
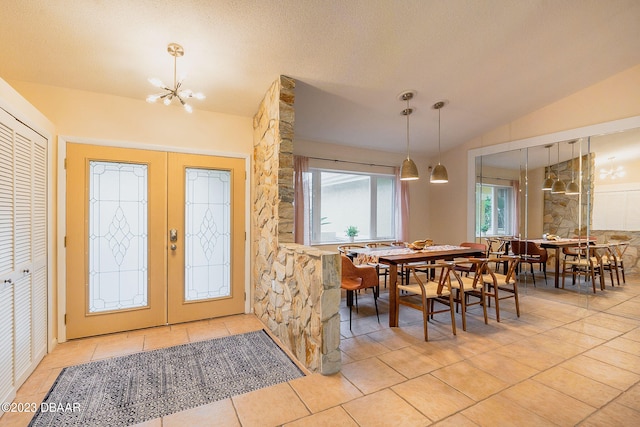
509,219
316,205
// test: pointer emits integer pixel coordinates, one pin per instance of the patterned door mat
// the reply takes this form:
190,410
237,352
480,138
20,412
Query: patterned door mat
130,389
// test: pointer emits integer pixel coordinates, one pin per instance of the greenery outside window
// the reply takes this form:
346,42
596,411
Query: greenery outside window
494,210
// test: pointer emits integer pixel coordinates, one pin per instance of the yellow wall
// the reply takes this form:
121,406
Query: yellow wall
615,98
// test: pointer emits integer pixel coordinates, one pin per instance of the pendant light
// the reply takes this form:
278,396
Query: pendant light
409,170
548,183
558,187
439,174
572,188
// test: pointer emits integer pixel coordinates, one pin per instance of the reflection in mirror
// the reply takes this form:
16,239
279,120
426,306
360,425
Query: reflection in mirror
510,200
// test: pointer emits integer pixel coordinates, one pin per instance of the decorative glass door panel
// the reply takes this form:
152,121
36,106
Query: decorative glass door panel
118,231
206,237
207,234
116,245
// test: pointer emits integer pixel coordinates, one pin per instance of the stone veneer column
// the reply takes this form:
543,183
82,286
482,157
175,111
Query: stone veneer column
296,289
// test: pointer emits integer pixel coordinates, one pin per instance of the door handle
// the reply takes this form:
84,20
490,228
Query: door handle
173,237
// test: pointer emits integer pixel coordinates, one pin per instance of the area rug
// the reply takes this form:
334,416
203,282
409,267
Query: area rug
130,389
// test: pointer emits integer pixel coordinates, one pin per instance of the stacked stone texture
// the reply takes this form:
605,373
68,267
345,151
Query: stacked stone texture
296,289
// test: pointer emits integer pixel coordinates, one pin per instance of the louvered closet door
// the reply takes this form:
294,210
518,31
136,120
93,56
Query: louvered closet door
23,255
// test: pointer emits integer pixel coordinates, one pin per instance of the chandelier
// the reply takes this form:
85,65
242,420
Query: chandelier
613,172
169,94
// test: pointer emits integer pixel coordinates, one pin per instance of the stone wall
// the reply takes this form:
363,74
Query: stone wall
296,289
561,214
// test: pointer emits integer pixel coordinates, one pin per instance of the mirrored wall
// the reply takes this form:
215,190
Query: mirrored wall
572,185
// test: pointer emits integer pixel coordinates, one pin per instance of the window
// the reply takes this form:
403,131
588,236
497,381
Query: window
495,210
342,199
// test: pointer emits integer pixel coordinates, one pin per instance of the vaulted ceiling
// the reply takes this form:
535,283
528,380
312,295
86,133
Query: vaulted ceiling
491,60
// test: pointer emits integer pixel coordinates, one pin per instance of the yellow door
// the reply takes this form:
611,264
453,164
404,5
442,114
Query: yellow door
206,237
121,249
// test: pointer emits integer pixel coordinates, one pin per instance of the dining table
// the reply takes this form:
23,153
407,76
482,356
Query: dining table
556,245
395,257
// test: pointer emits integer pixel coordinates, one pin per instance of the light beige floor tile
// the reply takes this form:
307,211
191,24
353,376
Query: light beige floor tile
445,351
371,375
527,353
573,337
602,372
628,309
456,420
166,339
216,414
594,330
394,338
362,347
615,357
434,398
271,406
613,415
624,344
630,398
558,347
611,321
119,347
15,419
206,332
633,335
320,392
548,403
500,411
589,391
67,354
147,332
505,368
410,362
384,408
330,418
243,323
473,382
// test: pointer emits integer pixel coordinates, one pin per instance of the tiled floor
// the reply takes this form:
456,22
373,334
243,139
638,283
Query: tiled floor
572,358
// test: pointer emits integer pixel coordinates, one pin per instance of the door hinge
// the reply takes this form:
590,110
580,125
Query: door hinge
245,296
245,236
65,241
65,162
65,318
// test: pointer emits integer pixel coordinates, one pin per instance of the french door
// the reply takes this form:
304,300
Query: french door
153,238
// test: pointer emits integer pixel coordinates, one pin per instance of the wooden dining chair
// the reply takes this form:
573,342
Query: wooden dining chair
502,286
467,268
618,250
428,293
530,253
466,287
587,266
355,278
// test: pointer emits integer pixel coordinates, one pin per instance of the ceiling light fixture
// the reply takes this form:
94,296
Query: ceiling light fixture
169,94
439,174
559,186
612,172
409,170
548,183
573,188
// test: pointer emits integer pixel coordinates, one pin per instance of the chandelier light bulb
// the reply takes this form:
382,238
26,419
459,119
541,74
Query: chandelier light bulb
167,96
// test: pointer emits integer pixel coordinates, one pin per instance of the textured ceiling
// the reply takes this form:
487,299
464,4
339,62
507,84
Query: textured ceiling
491,60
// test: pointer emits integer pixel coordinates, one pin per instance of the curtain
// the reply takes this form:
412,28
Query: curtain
301,200
402,211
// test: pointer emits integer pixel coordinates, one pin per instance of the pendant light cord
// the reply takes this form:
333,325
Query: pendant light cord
439,153
408,114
